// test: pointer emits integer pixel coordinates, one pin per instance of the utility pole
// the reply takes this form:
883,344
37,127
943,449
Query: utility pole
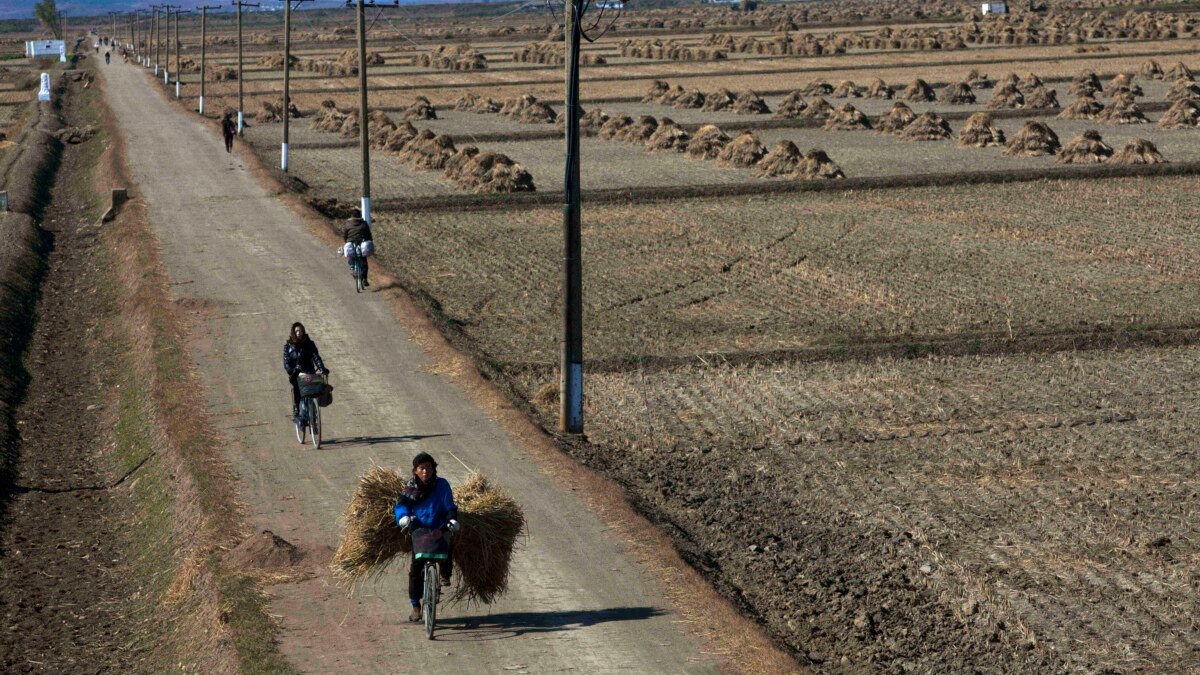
112,36
204,49
167,62
570,415
241,106
363,140
287,75
178,49
157,40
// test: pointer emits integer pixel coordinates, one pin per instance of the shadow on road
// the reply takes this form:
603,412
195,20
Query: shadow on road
376,440
516,624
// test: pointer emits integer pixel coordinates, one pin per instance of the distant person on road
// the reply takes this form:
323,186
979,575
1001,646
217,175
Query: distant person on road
107,57
426,507
229,130
356,231
300,355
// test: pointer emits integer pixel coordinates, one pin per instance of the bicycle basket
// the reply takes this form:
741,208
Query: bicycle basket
326,398
310,384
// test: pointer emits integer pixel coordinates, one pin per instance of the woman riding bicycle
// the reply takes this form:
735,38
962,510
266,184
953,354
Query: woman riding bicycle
356,231
427,503
300,355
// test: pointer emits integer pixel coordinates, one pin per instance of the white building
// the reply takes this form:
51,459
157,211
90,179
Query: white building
45,48
995,7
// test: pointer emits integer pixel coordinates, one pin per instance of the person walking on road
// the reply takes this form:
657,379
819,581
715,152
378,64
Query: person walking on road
229,130
426,507
356,231
300,355
107,57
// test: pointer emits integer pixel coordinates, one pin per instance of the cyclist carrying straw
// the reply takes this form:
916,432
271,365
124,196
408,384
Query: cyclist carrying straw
426,508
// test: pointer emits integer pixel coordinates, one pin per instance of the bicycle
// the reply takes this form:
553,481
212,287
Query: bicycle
357,269
433,585
311,387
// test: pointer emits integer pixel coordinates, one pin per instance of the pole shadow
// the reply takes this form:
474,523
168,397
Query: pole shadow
516,624
354,441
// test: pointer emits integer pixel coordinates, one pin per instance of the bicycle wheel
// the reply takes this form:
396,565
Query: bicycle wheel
358,276
314,421
429,603
299,422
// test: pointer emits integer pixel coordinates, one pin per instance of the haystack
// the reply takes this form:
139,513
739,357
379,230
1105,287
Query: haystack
1123,83
379,128
980,131
1086,148
693,99
1183,114
349,128
421,109
793,104
590,122
818,109
817,88
1123,111
614,126
721,99
1138,151
269,112
1041,97
1029,82
919,90
894,120
467,102
1035,139
658,89
978,80
847,118
1086,84
328,118
1006,96
487,106
846,89
880,89
958,94
458,160
750,103
1179,72
1084,108
400,136
928,126
707,142
742,152
492,524
492,172
1183,90
428,150
668,136
536,112
640,131
784,160
1150,70
817,164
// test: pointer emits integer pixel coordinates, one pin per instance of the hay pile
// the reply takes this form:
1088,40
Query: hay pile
692,99
793,104
328,118
467,102
1029,83
222,74
1084,108
273,112
590,122
615,126
659,90
536,112
492,523
750,103
817,88
379,128
1122,111
1035,139
1179,72
668,136
818,109
1183,90
894,120
880,89
707,143
1041,97
978,80
980,131
1183,114
1006,96
399,137
453,57
1086,84
1123,84
1150,70
817,164
742,152
421,109
1086,148
458,160
427,150
846,89
919,90
928,126
349,128
639,131
1138,151
847,118
721,99
784,160
958,94
489,172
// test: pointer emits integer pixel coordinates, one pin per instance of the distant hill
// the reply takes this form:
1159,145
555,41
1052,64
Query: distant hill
23,9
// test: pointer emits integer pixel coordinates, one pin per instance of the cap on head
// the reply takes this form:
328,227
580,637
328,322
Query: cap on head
423,457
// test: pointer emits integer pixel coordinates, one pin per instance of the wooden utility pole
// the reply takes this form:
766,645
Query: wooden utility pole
204,49
241,106
570,416
287,76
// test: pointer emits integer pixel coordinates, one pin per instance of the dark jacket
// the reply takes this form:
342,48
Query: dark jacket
302,359
228,128
356,231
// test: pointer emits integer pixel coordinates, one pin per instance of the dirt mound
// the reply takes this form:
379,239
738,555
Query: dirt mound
1086,148
1179,72
721,99
1086,84
692,99
707,143
639,131
894,120
817,88
273,112
847,118
1183,114
1150,70
958,94
880,89
427,150
817,164
818,109
846,89
1084,108
668,136
492,172
1035,139
784,160
615,126
265,551
1183,89
919,90
928,126
421,109
742,152
1041,97
1006,96
793,104
1138,151
1123,110
980,131
750,103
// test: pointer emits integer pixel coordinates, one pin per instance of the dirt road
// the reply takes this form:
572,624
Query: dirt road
577,603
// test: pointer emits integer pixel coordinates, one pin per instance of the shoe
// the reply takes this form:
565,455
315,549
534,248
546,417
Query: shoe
415,615
366,284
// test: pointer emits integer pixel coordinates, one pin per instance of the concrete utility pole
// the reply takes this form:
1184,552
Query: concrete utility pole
241,106
287,75
167,62
570,416
204,49
157,40
363,140
178,48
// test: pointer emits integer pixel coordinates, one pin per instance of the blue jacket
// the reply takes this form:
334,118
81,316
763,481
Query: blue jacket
432,512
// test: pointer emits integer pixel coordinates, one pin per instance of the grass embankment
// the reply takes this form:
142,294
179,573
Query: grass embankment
185,511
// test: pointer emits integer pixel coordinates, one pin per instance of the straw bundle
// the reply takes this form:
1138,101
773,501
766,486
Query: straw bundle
1011,78
614,126
328,118
658,89
487,172
1006,96
958,94
421,109
428,150
668,136
919,90
589,122
817,164
1123,84
1138,151
402,134
638,132
1122,111
894,120
793,104
458,160
1084,108
1150,70
1179,72
847,118
818,109
1086,84
750,103
1029,83
846,89
1183,114
980,131
349,128
1041,97
379,128
978,80
1086,148
784,160
880,89
693,99
371,540
742,152
721,99
707,142
467,102
536,112
817,88
1182,90
1035,139
927,127
269,111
